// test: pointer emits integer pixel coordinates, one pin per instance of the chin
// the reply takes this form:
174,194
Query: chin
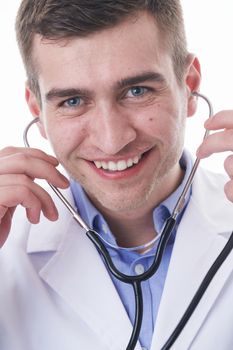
122,201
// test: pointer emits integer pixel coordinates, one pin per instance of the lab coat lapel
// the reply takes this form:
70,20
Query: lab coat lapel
89,291
202,234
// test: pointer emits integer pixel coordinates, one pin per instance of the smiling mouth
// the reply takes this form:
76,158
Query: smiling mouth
120,165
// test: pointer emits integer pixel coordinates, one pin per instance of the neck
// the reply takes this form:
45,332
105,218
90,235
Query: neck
132,231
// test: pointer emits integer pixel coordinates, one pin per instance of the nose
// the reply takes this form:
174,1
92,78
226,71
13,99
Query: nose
111,130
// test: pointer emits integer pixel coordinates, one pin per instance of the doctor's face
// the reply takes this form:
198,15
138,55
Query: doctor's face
114,112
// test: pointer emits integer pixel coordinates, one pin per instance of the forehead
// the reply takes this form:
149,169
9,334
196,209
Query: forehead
132,46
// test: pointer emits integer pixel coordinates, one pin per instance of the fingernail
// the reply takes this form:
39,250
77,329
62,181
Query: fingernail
199,153
54,160
53,214
65,180
208,121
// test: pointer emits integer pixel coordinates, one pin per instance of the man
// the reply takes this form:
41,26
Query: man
111,83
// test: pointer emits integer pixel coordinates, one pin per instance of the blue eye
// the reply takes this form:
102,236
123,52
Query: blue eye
73,102
137,91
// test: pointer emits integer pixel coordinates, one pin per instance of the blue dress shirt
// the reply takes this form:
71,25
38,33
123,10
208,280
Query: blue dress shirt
131,262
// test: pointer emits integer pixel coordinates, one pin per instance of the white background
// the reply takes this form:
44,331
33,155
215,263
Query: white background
209,26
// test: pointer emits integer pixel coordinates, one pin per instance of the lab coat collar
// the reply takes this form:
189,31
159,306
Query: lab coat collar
202,234
47,235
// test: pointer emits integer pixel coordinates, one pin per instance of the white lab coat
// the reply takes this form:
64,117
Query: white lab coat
56,294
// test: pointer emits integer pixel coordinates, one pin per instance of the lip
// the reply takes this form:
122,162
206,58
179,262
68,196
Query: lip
118,175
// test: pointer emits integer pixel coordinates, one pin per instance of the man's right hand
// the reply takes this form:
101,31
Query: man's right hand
19,167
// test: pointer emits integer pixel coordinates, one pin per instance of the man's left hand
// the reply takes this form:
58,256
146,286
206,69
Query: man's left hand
220,141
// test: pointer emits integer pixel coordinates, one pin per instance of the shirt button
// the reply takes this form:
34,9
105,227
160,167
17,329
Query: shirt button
139,268
104,228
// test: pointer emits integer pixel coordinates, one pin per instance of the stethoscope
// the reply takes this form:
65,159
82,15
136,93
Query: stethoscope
136,281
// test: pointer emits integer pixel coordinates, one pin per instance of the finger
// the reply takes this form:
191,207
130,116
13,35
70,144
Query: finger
8,151
228,165
21,163
221,120
6,212
11,196
34,200
218,142
3,211
228,188
5,225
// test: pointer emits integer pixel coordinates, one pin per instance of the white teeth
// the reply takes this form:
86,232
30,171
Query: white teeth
121,165
104,165
98,164
117,166
112,166
129,162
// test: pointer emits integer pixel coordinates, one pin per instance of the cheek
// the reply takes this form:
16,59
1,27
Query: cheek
65,137
155,120
164,122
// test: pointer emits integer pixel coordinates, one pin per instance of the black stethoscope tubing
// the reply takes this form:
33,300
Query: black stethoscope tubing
200,292
136,281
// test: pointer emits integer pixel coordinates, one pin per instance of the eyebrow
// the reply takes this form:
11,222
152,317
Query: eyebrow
63,93
125,82
140,78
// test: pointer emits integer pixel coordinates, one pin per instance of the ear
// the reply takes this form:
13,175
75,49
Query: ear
35,108
192,80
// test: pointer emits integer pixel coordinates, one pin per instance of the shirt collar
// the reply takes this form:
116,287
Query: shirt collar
83,204
165,208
